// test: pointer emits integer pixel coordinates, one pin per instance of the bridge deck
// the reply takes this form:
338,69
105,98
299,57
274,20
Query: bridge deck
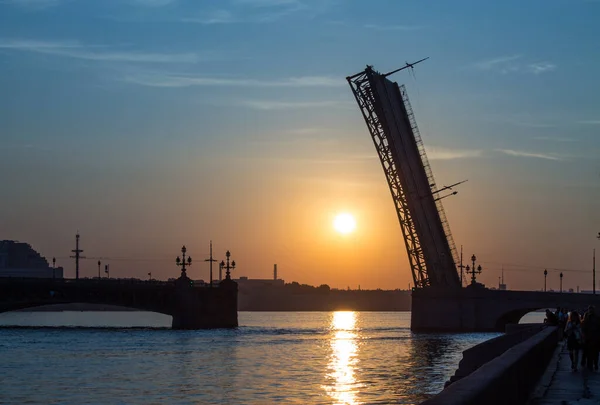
568,387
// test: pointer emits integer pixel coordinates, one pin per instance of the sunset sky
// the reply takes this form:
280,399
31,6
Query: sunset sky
148,124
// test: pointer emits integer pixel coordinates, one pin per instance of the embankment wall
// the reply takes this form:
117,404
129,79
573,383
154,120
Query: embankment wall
508,378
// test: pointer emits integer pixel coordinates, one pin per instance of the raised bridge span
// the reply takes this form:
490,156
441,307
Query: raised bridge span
192,307
439,301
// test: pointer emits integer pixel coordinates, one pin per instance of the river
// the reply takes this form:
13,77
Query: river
272,358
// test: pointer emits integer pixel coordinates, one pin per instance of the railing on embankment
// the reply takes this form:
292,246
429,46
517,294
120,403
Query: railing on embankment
508,378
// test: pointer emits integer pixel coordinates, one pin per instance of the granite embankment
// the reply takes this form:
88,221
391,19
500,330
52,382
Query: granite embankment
504,370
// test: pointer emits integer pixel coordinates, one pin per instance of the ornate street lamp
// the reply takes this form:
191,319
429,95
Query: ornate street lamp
474,270
53,267
182,262
561,276
227,266
99,269
545,276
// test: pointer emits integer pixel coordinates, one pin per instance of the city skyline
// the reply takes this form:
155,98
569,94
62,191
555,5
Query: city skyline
147,125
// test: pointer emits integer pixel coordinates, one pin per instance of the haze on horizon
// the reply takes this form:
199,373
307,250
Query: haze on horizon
148,124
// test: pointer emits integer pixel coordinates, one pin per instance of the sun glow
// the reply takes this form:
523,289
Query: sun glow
344,223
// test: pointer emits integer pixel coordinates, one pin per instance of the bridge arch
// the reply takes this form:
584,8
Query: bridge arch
513,317
63,305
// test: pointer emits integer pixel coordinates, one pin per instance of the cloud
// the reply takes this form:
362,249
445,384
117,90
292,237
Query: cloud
33,4
255,11
168,80
495,62
541,67
73,49
215,17
268,3
533,124
379,27
154,3
287,105
553,139
589,122
521,153
513,64
308,131
438,153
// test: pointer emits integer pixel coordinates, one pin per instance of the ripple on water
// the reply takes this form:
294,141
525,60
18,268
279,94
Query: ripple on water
317,357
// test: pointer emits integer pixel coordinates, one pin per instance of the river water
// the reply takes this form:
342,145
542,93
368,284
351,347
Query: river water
272,358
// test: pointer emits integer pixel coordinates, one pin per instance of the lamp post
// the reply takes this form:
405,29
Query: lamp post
545,276
182,262
561,276
107,270
99,269
53,268
227,266
211,260
474,270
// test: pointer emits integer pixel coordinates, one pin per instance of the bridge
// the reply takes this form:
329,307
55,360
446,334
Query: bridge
439,300
192,307
481,309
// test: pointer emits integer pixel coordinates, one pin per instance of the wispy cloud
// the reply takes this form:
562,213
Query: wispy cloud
287,105
380,27
268,3
74,49
489,64
153,3
439,153
532,124
214,17
256,11
167,80
308,131
25,146
589,122
541,67
33,4
514,64
553,139
520,153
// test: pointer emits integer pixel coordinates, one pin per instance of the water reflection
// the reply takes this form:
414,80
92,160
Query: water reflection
342,385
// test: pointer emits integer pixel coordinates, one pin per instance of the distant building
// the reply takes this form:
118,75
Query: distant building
245,282
18,259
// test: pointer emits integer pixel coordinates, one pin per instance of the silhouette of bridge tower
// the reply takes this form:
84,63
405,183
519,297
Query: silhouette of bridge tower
390,119
77,256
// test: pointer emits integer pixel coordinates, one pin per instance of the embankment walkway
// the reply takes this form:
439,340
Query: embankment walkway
561,386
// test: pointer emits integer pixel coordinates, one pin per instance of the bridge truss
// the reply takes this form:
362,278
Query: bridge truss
390,119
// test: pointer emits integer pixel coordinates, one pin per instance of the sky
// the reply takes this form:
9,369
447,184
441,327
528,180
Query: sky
149,124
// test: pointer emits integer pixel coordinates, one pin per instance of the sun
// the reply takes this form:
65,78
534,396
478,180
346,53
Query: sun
344,223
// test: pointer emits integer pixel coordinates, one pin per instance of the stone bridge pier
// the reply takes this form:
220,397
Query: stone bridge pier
478,309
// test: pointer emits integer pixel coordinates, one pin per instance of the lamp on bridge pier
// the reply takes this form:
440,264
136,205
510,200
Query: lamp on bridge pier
474,270
182,262
53,267
99,269
561,276
545,276
227,266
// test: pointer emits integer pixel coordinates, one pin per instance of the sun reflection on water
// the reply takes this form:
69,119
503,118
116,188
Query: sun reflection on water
342,386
